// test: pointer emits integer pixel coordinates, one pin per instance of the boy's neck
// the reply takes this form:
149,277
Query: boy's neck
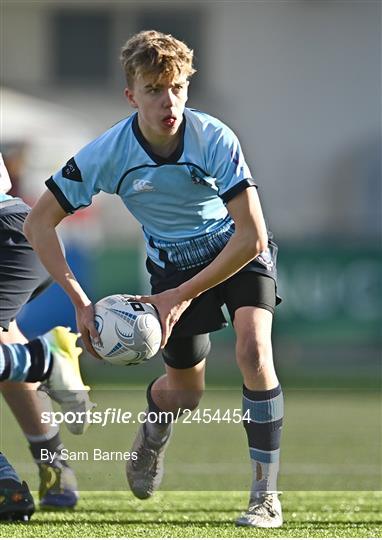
161,146
165,148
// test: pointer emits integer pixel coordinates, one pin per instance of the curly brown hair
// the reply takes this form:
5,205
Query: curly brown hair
153,53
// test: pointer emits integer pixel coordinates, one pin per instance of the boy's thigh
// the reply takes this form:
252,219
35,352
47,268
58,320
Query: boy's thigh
189,342
248,289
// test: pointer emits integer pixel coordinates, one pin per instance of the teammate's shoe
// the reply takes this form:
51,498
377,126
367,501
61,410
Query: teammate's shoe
16,503
64,384
145,473
264,511
58,486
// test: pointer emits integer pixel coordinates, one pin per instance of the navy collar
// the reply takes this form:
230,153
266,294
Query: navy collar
159,160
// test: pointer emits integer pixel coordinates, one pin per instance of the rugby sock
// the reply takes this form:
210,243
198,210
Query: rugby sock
50,441
156,431
8,476
263,416
31,362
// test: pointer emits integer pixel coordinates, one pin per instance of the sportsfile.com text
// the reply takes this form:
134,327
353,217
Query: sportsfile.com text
118,416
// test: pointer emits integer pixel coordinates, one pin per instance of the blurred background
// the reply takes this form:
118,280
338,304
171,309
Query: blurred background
300,84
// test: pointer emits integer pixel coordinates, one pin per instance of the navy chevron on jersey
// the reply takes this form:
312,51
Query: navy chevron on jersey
179,200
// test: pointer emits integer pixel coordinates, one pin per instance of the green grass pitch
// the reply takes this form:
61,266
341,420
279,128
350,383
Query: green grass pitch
330,473
204,515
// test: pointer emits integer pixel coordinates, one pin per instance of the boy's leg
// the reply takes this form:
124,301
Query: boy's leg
263,406
178,389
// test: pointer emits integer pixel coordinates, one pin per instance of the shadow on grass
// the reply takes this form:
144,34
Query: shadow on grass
157,511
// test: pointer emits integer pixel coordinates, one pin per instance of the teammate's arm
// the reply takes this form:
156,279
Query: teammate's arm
40,230
248,241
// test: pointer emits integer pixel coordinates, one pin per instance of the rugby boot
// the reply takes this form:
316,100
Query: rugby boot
264,511
16,502
64,384
58,486
145,473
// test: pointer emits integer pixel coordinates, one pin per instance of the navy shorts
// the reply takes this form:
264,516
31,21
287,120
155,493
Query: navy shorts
189,342
22,276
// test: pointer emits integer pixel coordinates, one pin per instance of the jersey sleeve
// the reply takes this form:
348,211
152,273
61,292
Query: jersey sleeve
229,166
90,171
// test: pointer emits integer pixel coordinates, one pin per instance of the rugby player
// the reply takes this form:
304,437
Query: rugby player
183,175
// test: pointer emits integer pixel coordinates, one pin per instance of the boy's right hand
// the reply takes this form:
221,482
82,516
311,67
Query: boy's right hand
86,327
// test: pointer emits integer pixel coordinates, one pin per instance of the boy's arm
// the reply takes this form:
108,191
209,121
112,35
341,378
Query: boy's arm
248,241
40,230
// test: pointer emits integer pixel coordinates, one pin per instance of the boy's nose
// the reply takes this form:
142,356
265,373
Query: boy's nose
168,98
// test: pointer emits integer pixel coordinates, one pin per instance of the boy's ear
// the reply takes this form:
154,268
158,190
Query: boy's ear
130,97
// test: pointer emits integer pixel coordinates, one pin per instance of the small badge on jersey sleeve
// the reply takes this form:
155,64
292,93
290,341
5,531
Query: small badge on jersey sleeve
71,171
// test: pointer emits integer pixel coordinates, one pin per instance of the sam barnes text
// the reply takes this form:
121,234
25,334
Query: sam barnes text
83,455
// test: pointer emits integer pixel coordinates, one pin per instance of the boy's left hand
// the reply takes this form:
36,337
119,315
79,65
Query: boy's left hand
170,308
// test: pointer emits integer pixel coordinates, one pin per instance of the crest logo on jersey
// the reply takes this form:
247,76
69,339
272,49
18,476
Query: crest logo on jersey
200,181
71,171
142,185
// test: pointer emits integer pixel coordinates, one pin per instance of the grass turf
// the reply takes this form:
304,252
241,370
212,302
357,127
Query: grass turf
330,442
205,515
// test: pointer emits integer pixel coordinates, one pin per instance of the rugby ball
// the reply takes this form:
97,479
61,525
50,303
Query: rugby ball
130,331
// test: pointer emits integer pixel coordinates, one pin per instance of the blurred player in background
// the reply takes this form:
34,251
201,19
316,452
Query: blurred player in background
53,359
22,278
183,175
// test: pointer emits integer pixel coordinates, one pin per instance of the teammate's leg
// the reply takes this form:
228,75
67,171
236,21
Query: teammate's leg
23,399
52,358
22,278
16,501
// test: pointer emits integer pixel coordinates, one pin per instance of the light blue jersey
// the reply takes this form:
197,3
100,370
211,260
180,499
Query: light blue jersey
5,181
5,197
179,200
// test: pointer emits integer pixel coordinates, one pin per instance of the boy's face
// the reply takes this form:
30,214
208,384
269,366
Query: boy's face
160,105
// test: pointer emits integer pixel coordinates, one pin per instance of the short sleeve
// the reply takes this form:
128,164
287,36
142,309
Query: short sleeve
229,166
87,173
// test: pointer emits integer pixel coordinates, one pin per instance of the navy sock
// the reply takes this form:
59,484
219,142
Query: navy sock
53,444
263,413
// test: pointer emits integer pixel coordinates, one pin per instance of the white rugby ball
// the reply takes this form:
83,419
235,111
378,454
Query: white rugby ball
130,331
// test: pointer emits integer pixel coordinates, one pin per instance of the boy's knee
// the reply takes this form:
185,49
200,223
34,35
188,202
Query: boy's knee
253,354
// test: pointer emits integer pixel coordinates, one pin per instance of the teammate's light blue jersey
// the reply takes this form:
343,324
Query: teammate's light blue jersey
5,197
179,200
5,181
